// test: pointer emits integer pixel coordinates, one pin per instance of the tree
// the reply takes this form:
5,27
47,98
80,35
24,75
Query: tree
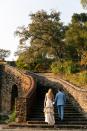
44,37
4,53
84,3
76,35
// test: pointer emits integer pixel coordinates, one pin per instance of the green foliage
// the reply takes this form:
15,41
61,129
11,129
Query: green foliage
44,38
12,116
82,18
84,60
66,67
57,67
84,3
70,67
47,39
21,64
83,77
4,53
40,68
76,35
79,79
71,52
35,63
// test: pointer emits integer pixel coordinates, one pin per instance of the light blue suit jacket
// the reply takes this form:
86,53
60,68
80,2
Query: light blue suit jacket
60,98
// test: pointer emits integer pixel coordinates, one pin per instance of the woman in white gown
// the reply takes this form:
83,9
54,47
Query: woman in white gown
49,108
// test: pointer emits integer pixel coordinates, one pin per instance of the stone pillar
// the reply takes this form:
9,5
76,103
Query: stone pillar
21,109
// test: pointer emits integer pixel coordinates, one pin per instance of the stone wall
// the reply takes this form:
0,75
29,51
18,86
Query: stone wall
24,104
21,109
79,95
12,76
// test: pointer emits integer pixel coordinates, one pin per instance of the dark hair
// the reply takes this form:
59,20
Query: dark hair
60,89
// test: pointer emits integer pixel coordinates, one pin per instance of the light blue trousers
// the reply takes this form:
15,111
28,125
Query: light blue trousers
61,111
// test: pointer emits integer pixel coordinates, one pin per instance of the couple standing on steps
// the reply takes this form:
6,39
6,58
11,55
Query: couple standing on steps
49,102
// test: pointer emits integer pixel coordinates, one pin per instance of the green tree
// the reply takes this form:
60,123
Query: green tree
76,35
4,53
44,37
84,3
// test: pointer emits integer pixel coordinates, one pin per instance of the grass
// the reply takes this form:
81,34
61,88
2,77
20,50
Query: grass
78,79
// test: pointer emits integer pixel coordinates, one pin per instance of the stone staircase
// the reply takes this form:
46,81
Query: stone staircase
72,117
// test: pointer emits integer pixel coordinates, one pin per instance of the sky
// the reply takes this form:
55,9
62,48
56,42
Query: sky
15,13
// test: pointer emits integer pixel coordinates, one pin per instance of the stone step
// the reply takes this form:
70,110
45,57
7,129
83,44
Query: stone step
72,118
42,105
56,126
42,108
59,122
56,112
65,118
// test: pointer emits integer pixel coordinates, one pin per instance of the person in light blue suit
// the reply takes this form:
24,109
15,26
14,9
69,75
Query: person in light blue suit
60,100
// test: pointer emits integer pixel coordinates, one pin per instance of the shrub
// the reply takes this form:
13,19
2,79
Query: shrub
70,67
12,116
57,67
83,77
66,67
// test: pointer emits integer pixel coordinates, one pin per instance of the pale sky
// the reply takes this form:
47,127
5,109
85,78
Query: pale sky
14,13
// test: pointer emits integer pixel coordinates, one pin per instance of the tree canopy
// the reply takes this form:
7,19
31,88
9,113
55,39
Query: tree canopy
46,40
76,35
4,53
84,3
44,37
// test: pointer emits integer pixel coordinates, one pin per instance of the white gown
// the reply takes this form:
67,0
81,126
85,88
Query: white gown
49,111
